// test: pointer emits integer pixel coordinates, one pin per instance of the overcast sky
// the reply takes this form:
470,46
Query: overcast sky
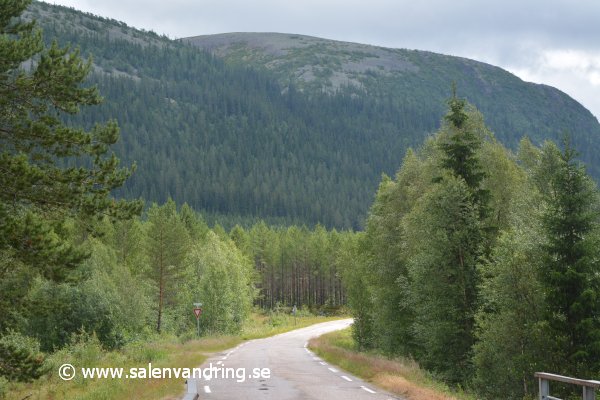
556,42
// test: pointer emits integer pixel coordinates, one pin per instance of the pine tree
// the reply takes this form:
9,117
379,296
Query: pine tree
167,246
571,269
49,169
20,358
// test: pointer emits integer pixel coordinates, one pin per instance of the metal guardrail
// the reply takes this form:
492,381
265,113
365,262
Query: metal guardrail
191,390
589,387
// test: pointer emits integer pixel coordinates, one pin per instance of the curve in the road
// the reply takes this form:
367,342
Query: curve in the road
295,373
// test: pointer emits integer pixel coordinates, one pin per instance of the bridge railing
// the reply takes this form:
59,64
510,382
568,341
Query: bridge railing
588,387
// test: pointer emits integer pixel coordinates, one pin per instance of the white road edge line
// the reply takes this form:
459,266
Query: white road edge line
219,362
333,370
305,344
368,390
346,378
322,363
206,389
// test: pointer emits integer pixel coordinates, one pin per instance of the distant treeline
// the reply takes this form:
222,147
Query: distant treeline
297,266
143,275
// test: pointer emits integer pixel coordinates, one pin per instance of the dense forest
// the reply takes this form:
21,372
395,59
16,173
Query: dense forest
238,144
480,263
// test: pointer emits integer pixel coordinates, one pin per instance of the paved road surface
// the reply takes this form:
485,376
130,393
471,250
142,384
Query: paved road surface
296,373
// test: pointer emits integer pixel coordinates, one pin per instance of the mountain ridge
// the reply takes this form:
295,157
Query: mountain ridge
230,136
333,63
221,44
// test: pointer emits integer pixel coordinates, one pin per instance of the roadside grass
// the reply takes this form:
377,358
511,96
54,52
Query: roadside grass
163,351
399,376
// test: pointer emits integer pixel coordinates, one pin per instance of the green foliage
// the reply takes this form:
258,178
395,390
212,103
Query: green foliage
20,358
52,172
57,311
167,245
417,280
144,352
456,115
479,264
224,284
37,187
481,299
361,304
460,145
75,272
102,302
513,341
570,272
3,387
448,243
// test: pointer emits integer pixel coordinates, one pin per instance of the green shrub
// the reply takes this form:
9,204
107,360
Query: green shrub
3,387
20,358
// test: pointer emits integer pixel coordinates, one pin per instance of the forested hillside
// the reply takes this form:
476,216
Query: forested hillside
246,142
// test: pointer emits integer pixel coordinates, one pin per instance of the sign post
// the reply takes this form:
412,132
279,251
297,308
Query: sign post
294,311
198,313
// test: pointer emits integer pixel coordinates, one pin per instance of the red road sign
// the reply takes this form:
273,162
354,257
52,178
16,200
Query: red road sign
198,312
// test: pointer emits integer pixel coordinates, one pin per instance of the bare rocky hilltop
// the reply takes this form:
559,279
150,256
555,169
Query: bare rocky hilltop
308,59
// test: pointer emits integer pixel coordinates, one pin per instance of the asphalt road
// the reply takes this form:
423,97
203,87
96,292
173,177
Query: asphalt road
295,372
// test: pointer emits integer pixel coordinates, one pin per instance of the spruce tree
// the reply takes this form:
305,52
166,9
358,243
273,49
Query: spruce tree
446,238
449,230
460,148
571,274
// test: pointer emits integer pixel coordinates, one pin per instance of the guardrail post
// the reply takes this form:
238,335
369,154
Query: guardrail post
191,389
544,388
589,393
